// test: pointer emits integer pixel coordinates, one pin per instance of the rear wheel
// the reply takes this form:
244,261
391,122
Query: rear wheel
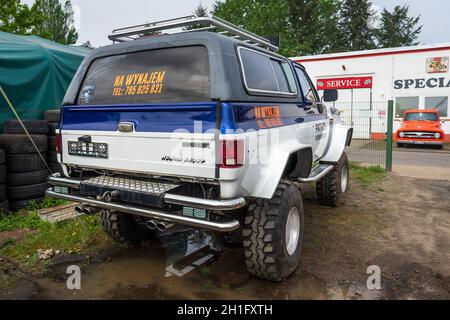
332,189
273,234
400,145
123,228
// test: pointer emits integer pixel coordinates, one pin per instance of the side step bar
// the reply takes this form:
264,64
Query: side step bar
317,173
150,213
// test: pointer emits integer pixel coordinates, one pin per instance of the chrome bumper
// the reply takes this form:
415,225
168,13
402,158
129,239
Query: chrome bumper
215,205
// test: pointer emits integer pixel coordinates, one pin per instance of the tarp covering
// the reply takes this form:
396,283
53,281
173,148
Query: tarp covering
35,74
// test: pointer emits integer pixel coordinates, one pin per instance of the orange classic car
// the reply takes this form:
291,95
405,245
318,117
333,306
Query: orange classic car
421,127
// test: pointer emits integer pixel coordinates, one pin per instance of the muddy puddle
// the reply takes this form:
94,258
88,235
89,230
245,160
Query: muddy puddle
181,264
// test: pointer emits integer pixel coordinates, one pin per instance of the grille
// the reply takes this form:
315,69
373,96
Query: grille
150,187
420,135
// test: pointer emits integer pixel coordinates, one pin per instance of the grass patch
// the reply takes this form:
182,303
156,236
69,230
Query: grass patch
81,235
45,204
367,176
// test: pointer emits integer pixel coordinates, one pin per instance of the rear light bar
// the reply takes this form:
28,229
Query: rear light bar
231,154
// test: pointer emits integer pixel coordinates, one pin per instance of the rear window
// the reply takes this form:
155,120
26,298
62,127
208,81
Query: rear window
163,75
421,116
266,74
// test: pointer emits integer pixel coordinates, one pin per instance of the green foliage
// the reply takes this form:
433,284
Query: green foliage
58,23
18,221
398,29
356,26
200,11
18,18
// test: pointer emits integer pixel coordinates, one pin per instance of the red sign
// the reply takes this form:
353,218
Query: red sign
345,83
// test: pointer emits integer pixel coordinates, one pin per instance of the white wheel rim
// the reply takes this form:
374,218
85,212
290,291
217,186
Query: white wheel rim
344,179
292,231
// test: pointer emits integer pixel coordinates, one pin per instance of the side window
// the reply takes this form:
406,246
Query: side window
265,74
307,88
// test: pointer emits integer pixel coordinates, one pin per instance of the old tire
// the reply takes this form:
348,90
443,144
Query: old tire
331,190
2,173
32,191
123,228
32,126
51,143
52,129
17,163
27,178
52,116
4,206
22,204
270,251
20,143
2,192
52,156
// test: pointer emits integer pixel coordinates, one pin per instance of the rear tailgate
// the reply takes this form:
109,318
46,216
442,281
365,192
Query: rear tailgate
166,139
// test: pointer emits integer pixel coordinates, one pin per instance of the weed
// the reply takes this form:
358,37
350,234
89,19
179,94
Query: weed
367,176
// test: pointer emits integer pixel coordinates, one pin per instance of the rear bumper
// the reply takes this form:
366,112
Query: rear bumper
56,180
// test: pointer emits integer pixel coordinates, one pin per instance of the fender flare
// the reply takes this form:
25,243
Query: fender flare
341,137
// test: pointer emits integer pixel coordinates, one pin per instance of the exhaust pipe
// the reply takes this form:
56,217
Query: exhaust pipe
90,210
80,209
163,226
151,224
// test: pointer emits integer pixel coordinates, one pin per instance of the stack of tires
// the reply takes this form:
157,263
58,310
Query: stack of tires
26,171
52,117
4,204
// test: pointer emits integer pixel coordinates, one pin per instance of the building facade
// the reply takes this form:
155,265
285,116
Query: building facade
414,77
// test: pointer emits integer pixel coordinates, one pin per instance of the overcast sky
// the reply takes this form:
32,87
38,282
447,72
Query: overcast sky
97,18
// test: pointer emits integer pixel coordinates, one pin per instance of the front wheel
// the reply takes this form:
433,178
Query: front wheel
332,189
273,234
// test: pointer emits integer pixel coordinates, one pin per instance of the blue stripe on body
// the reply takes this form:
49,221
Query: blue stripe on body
167,118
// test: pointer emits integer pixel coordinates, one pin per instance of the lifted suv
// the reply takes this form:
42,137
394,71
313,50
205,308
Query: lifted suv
200,129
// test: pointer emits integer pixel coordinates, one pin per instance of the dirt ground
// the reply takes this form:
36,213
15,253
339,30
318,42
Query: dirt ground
401,224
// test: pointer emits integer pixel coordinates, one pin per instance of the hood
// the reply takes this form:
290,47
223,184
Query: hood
421,125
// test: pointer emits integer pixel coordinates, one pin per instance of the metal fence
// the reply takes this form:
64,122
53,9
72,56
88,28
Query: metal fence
369,121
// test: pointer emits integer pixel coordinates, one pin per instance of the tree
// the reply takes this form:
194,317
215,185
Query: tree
58,24
200,11
18,18
398,29
355,27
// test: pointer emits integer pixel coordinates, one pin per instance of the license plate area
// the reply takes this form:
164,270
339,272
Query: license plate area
88,149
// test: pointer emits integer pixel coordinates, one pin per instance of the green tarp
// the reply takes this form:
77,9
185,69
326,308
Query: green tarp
35,74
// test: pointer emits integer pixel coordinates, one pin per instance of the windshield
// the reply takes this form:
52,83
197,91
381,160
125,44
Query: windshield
421,116
163,75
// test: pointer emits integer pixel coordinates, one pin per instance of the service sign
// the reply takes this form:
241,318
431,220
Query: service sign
437,65
345,83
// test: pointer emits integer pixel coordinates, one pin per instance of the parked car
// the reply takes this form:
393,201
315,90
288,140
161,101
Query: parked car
200,129
421,127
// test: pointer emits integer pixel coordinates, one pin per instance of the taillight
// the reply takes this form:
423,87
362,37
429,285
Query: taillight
58,143
231,154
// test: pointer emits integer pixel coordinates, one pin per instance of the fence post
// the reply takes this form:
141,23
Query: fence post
390,129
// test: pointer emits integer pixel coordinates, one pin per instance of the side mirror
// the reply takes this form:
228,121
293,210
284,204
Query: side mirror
330,95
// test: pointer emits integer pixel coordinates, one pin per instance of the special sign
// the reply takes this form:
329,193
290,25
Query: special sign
139,83
345,83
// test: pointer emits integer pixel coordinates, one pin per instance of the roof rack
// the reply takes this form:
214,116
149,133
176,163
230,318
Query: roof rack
212,23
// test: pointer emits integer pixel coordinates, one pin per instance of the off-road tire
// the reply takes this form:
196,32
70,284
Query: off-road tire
52,116
32,126
2,173
27,178
20,143
123,228
32,191
22,204
4,206
264,234
18,163
329,190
